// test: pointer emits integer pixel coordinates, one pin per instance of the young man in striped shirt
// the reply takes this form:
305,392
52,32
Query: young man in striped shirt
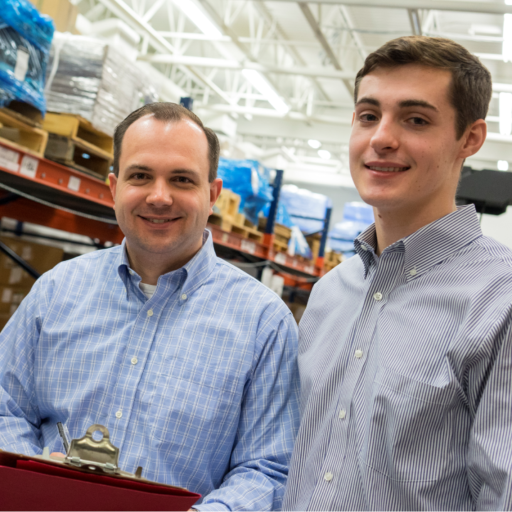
405,351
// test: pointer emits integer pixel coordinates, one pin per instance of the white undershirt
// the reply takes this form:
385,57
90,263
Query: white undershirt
147,289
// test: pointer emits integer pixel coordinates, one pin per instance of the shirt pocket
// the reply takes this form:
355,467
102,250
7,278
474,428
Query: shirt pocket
189,409
409,428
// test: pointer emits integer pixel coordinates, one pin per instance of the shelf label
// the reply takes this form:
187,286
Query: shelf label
309,269
74,183
225,238
21,68
249,247
280,258
9,159
29,166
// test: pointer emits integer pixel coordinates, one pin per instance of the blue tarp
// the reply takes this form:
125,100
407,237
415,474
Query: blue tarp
356,218
24,34
250,180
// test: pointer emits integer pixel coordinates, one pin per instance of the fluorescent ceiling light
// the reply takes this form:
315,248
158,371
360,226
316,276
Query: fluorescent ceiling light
507,37
257,80
324,154
196,15
502,165
505,113
315,144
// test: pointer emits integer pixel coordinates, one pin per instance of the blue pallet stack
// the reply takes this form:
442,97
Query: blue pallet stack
25,41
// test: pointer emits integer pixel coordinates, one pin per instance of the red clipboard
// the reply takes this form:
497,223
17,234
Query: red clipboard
37,483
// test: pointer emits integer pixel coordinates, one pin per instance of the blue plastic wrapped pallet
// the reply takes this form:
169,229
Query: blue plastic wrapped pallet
25,41
250,180
356,218
301,203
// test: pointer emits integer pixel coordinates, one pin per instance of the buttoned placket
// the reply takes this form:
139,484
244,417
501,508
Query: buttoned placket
137,351
380,285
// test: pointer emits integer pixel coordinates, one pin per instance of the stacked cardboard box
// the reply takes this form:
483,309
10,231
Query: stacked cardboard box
15,283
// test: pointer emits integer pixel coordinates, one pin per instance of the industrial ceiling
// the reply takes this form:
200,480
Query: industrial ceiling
277,77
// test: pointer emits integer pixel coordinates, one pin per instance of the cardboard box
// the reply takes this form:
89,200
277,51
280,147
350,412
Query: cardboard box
11,297
41,257
63,13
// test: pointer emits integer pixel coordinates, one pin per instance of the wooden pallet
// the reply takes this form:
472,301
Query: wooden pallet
83,157
80,130
280,246
283,233
21,134
228,203
228,224
25,113
218,220
247,232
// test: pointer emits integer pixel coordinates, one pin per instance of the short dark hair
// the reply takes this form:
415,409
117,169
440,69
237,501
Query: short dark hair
471,86
168,112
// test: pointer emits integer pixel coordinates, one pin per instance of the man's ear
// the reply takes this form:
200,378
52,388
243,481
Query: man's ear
474,138
215,188
112,183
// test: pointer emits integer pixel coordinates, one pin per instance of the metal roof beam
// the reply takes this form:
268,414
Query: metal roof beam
129,16
325,44
264,12
438,5
206,62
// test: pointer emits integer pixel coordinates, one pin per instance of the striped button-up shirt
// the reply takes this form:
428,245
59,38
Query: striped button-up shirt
196,385
405,364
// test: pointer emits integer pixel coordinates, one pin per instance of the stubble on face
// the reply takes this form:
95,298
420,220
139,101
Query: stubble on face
162,195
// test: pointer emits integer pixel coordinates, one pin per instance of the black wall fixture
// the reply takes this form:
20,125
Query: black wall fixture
489,191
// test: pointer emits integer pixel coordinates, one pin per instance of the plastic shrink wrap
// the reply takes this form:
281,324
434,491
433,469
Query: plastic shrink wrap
250,180
282,215
25,40
90,78
304,203
356,218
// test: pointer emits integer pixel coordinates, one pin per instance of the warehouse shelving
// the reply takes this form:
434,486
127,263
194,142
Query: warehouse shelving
36,190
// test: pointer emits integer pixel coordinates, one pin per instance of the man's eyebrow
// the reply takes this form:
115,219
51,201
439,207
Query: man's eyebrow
402,104
185,171
138,167
417,103
371,101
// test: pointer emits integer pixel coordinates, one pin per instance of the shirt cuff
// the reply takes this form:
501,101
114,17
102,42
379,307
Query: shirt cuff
213,506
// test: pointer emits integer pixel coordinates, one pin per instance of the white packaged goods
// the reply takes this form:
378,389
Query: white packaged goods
94,80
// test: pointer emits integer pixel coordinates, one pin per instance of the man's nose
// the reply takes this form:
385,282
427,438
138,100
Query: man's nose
385,137
160,194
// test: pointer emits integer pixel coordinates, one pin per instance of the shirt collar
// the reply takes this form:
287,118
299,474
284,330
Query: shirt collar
193,273
429,245
365,245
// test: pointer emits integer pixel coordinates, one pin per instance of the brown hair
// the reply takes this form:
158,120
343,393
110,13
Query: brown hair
471,86
167,112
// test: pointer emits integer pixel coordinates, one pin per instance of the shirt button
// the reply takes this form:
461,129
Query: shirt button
134,360
118,414
184,296
413,272
358,353
342,414
377,296
150,312
131,272
328,476
364,247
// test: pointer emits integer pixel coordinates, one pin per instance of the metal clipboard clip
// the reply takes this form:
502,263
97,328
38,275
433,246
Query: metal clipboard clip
102,455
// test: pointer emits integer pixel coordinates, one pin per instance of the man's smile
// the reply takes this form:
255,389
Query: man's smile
386,167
